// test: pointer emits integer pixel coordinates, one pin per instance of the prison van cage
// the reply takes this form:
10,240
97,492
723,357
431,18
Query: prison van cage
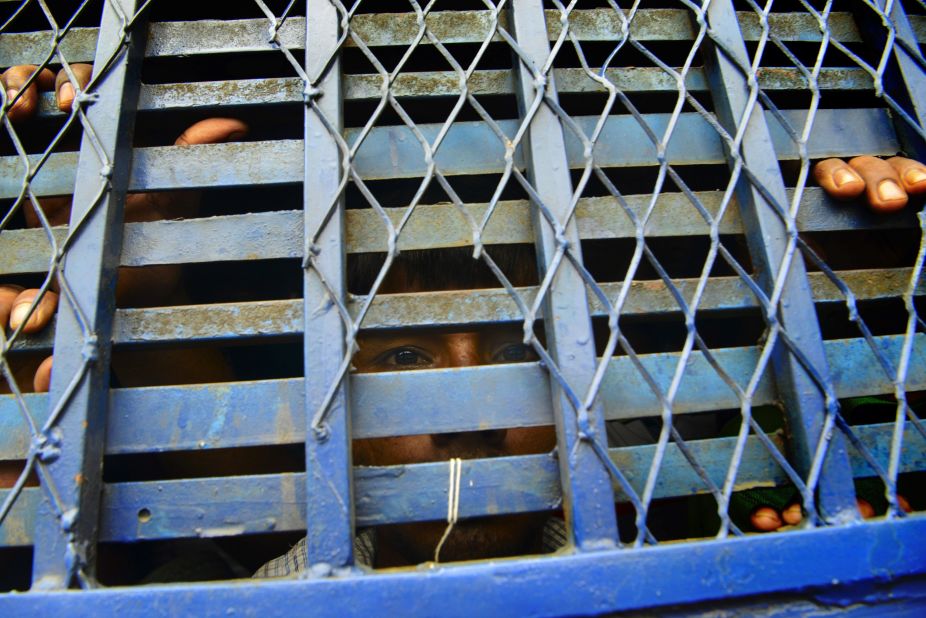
485,307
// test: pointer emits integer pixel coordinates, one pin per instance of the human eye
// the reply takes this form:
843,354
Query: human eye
513,353
405,357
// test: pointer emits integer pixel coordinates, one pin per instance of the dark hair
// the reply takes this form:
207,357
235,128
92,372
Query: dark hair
443,269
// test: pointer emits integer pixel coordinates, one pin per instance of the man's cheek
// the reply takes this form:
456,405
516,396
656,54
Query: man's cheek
393,451
530,440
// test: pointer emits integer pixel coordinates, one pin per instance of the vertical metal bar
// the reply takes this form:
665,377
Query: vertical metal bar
66,539
767,237
329,510
587,491
903,76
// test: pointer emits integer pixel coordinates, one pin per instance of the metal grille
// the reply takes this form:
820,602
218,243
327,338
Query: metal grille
657,158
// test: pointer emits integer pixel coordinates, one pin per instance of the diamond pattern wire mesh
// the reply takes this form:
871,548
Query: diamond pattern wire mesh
45,442
589,132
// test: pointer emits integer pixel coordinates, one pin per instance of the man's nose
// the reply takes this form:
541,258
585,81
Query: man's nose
462,349
471,441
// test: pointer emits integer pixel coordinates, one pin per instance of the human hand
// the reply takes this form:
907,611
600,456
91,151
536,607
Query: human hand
886,183
136,286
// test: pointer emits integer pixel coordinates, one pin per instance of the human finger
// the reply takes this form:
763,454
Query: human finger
40,317
8,294
912,174
838,179
792,515
64,89
213,131
41,383
13,80
865,508
765,519
883,188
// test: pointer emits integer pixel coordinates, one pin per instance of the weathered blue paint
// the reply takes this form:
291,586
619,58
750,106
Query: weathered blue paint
570,342
762,201
250,35
432,225
469,148
463,309
329,494
213,507
271,412
67,528
851,563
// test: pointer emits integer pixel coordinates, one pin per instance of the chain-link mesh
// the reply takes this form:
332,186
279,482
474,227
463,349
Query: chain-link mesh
46,441
678,308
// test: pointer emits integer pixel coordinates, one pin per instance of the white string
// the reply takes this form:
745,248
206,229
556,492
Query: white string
453,502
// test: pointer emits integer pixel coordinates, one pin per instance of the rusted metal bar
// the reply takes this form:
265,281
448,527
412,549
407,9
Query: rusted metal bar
382,29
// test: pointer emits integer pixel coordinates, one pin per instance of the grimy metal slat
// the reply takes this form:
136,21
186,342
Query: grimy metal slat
210,416
221,506
767,238
329,491
65,534
588,496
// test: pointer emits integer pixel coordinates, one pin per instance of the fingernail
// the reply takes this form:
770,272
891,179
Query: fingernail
792,515
66,93
889,191
11,94
843,176
915,176
18,315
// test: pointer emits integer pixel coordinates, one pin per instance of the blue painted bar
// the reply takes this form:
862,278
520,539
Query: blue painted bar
67,527
281,91
431,226
271,412
463,309
329,494
726,571
469,148
570,342
167,39
232,506
767,237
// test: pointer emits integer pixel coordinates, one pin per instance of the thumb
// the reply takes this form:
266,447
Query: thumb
213,131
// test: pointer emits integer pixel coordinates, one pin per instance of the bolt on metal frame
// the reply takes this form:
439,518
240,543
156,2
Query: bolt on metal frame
580,392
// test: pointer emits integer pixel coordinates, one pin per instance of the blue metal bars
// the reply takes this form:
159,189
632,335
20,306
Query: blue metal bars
330,504
73,437
798,358
579,416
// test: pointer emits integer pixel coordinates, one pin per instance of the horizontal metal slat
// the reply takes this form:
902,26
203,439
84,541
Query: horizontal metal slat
468,148
276,318
239,414
223,94
216,507
390,29
274,235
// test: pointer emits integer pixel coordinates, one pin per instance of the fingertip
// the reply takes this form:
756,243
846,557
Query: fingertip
792,515
838,179
8,294
765,519
887,196
66,96
213,131
42,380
40,317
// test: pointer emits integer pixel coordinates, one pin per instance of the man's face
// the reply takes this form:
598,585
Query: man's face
475,538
